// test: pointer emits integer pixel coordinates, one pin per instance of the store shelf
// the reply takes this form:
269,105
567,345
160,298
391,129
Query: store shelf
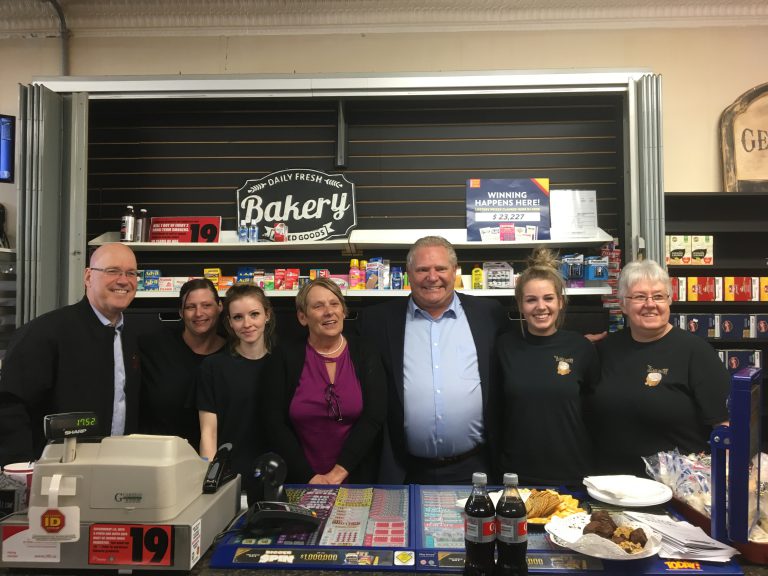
587,291
358,240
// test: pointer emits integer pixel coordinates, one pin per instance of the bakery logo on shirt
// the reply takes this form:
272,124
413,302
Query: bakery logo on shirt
653,378
563,365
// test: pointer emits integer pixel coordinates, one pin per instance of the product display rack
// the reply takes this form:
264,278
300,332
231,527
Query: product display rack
740,249
357,241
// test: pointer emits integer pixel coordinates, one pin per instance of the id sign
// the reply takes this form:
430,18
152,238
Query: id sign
314,205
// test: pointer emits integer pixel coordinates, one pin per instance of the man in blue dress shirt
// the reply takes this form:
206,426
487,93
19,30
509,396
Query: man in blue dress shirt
437,349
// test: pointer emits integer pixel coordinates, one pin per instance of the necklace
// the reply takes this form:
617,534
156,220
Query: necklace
331,353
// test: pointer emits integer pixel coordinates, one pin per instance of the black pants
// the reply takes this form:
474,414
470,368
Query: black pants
424,471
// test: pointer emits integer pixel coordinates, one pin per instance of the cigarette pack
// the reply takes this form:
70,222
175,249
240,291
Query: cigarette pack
679,288
760,325
733,326
735,360
705,289
700,324
741,288
764,288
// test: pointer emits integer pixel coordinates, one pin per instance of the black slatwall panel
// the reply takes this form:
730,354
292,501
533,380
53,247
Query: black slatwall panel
409,159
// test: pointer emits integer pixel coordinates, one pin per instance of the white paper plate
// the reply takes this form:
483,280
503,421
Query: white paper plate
567,532
647,493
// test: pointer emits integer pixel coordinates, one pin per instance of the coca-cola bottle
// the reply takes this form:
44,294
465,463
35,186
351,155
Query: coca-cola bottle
511,530
479,529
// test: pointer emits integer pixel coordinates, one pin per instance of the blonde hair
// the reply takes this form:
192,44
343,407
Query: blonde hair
543,264
302,298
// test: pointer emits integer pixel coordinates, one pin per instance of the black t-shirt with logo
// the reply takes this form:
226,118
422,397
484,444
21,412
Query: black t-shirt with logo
654,397
543,382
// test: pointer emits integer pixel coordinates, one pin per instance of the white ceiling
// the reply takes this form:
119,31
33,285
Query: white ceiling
39,18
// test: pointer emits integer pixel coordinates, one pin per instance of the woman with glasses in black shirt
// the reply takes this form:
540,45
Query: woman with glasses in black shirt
660,387
325,399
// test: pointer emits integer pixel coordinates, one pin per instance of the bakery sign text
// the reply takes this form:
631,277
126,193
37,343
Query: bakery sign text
312,204
744,142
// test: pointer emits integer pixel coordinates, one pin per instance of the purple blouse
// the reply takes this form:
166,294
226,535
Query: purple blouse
314,410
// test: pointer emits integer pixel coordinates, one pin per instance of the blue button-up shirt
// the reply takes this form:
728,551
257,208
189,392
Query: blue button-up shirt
443,399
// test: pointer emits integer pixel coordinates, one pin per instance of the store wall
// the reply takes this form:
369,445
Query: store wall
704,70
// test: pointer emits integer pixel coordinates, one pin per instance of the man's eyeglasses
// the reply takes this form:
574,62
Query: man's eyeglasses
334,404
116,272
641,299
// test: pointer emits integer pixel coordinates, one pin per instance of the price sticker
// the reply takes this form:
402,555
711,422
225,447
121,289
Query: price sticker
130,544
174,229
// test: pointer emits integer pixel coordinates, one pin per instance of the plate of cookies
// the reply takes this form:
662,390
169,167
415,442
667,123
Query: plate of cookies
604,535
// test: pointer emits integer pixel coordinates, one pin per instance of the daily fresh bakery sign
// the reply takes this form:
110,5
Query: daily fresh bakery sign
312,205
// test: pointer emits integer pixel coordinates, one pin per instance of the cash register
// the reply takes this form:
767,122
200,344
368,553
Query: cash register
119,502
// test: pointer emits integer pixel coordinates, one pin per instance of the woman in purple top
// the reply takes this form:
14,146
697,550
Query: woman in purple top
325,397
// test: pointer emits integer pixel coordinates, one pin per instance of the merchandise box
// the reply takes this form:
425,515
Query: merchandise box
741,288
733,326
679,292
705,289
498,275
679,250
760,326
700,324
736,360
764,288
702,250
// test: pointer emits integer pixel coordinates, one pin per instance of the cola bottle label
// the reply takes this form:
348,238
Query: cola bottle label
480,530
512,530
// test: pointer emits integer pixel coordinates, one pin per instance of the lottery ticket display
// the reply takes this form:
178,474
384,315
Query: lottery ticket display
404,528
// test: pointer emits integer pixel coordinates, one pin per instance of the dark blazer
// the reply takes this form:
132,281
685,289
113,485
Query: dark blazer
360,453
384,324
62,361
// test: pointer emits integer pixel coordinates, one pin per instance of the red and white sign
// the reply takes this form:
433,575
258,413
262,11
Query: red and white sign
52,521
130,544
175,229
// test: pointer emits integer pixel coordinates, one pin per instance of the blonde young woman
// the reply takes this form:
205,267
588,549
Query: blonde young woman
229,384
545,376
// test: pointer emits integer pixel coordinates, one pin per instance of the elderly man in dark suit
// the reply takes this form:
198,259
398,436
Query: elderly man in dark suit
74,359
437,350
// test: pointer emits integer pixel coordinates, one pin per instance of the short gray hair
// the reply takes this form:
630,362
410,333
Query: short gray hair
429,242
640,270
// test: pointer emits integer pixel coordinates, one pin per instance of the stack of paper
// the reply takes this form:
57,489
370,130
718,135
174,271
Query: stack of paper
682,540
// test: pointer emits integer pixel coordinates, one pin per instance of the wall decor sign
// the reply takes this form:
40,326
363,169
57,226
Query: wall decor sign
174,229
744,142
507,209
314,206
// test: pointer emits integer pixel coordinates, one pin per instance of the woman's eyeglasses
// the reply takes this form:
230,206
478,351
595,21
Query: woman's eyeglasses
641,299
334,403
